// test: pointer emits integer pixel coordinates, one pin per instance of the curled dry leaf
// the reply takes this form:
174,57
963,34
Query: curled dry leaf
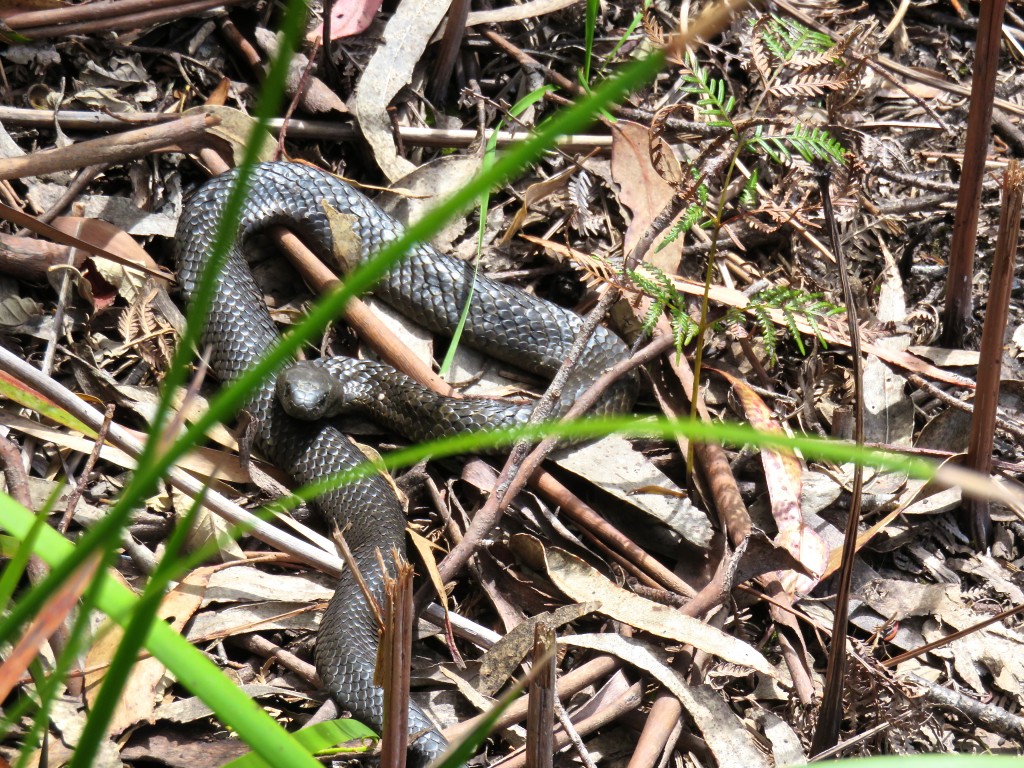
244,583
265,616
120,274
580,582
117,210
193,708
18,310
784,477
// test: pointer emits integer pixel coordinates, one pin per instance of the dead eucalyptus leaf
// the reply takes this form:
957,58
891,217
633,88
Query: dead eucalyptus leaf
501,659
235,127
582,583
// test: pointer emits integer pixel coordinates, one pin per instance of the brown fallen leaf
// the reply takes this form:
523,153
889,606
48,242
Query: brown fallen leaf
583,583
784,478
129,272
643,190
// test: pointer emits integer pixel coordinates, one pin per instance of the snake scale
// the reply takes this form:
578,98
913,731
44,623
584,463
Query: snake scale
428,287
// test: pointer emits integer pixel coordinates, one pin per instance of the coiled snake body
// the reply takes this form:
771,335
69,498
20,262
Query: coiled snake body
428,287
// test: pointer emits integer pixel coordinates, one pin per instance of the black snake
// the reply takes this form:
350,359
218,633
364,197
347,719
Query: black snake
428,287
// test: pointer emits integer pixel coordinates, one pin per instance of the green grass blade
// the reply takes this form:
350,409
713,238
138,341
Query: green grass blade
927,761
489,152
593,6
143,617
192,669
590,428
317,739
15,569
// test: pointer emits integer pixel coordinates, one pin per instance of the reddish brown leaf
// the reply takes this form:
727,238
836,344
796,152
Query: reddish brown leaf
642,190
350,17
45,624
783,476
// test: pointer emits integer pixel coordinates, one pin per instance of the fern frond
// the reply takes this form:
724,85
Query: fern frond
665,298
684,327
807,86
794,304
794,330
764,227
787,38
748,196
691,216
715,106
769,333
761,57
805,61
810,143
652,27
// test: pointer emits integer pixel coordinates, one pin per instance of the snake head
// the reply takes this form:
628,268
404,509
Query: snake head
307,392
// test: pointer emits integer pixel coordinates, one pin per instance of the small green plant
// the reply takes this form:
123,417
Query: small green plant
793,62
812,144
714,106
783,44
790,42
749,196
794,304
694,214
665,298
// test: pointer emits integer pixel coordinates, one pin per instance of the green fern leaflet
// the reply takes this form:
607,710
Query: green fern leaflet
795,305
788,38
812,144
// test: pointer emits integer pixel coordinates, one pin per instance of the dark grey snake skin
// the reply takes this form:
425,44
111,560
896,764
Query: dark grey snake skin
429,288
